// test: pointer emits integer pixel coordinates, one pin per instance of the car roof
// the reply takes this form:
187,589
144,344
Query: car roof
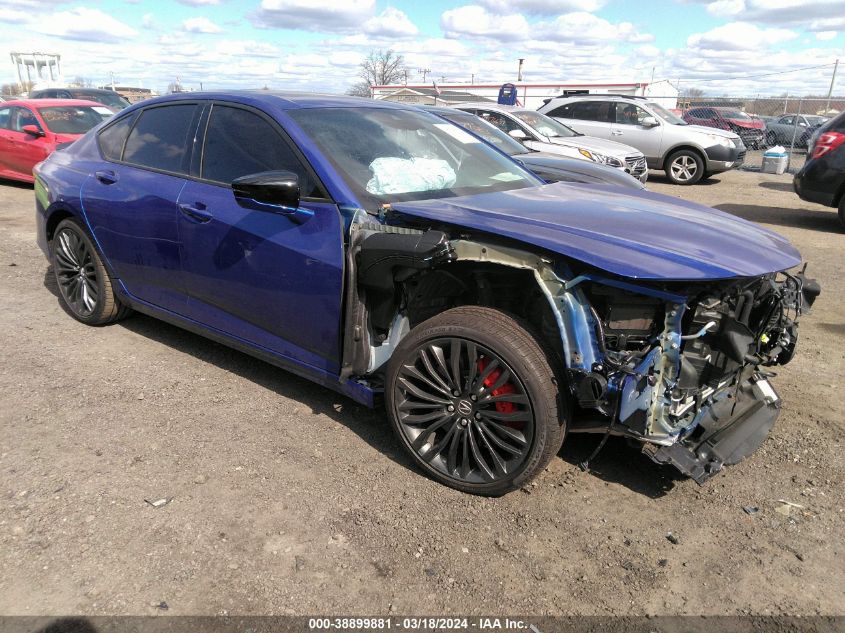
46,103
282,99
489,105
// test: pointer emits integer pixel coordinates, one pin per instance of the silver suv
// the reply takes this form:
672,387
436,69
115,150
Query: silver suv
686,152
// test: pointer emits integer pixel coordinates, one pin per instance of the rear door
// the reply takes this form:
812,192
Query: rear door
590,117
273,280
130,199
5,139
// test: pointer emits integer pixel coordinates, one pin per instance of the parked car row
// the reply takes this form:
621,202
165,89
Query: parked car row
390,255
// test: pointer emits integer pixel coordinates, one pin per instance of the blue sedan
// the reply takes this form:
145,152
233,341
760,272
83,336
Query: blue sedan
389,255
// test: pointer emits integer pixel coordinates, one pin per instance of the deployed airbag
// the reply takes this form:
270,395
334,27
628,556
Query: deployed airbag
404,175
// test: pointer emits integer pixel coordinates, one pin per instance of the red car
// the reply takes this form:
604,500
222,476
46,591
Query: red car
31,130
749,129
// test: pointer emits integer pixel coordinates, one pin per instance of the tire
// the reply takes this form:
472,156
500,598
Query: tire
499,424
86,291
684,167
771,138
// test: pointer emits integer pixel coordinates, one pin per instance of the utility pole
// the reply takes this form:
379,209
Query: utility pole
519,73
423,72
472,78
830,90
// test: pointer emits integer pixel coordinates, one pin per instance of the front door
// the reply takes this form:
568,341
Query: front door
272,280
628,129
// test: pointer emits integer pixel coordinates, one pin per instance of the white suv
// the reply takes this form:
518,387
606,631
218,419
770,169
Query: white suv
544,134
686,152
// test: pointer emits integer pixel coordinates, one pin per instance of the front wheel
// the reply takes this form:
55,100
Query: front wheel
684,167
473,399
85,288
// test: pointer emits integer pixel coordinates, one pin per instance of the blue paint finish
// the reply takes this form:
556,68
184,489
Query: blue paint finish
134,221
640,235
634,390
265,277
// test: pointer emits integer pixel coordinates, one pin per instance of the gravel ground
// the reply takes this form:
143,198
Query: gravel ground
285,498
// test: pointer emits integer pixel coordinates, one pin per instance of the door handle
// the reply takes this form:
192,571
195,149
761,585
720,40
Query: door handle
196,211
107,177
617,132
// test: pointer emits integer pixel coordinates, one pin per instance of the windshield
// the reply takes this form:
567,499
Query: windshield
73,119
816,120
111,99
545,125
488,132
388,155
667,116
734,114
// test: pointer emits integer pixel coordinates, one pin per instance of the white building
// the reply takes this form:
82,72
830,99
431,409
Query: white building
40,70
533,95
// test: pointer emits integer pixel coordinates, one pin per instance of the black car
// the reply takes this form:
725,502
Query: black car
549,167
108,98
822,179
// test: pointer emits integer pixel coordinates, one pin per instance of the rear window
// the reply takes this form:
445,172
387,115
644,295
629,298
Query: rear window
112,138
160,138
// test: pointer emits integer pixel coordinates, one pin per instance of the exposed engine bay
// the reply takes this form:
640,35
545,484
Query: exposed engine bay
681,367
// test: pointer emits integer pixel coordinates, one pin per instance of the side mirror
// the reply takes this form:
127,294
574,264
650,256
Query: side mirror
272,192
32,130
519,135
649,121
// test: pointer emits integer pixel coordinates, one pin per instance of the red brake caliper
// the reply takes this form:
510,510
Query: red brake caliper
501,407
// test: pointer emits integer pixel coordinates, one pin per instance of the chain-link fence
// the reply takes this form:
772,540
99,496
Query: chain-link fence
764,123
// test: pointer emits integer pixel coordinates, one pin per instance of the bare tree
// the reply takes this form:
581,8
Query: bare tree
379,68
692,93
16,89
81,82
175,87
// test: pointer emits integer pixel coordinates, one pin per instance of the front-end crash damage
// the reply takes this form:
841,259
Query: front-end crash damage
680,367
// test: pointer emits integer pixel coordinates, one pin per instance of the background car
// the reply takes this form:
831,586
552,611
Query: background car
108,98
687,153
539,132
549,167
798,127
822,179
748,128
31,130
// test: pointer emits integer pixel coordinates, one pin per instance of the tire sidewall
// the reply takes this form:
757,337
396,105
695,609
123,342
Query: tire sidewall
96,315
699,166
544,411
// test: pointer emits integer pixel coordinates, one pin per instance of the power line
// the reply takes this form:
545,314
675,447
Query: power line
780,72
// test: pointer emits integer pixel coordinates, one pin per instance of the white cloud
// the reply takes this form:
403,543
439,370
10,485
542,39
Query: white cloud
476,21
542,7
740,36
148,21
826,35
200,25
726,8
314,15
390,23
91,25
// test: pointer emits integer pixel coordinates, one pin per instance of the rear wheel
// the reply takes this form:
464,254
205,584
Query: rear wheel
684,167
473,399
842,211
771,138
85,288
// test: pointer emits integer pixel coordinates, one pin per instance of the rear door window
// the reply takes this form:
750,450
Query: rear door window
239,142
112,139
592,111
161,138
5,117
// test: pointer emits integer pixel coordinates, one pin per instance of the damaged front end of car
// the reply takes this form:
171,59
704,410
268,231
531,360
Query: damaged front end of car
680,367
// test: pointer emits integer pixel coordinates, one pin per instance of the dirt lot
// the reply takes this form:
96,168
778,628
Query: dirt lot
288,499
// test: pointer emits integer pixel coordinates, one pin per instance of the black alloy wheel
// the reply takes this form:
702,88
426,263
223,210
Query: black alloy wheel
470,415
85,288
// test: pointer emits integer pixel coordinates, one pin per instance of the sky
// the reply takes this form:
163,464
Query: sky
720,46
